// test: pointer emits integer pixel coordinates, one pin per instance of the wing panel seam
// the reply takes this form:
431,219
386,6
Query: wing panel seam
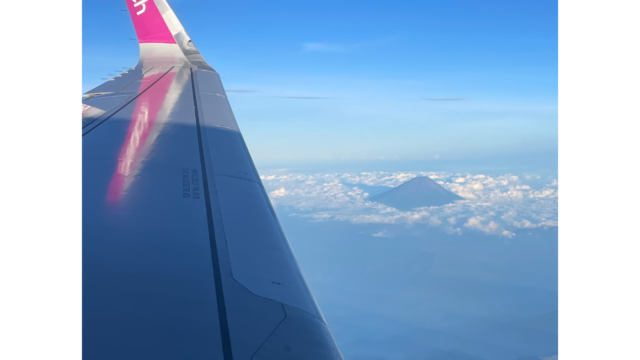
222,309
126,104
116,92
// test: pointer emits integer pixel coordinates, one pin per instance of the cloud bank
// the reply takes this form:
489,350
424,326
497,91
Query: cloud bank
494,205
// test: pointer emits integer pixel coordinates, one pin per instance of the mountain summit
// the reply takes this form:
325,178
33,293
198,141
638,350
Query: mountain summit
417,192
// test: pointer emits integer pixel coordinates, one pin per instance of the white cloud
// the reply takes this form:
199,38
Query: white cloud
383,233
487,226
552,193
278,193
508,234
526,224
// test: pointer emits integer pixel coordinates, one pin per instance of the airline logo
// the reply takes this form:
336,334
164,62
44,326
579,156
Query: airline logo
137,3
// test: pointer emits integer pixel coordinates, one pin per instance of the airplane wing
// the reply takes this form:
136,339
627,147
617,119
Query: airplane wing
183,255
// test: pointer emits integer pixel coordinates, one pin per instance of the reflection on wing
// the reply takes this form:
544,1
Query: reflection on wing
151,110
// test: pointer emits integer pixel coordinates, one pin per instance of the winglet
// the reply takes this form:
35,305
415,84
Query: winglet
161,35
149,24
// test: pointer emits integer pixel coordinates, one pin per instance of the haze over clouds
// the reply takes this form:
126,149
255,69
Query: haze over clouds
495,205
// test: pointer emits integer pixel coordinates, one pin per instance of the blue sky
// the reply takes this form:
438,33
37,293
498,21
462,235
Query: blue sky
349,81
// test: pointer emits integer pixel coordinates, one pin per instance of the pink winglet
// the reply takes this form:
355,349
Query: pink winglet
148,21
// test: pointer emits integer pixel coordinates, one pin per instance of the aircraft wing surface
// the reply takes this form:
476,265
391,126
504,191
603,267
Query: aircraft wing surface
183,255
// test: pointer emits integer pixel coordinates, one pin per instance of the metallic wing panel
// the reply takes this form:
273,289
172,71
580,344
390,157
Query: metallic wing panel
148,289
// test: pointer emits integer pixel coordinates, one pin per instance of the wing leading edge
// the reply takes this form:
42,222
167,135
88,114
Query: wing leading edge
183,255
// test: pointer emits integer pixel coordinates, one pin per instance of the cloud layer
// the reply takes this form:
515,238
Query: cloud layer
495,205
